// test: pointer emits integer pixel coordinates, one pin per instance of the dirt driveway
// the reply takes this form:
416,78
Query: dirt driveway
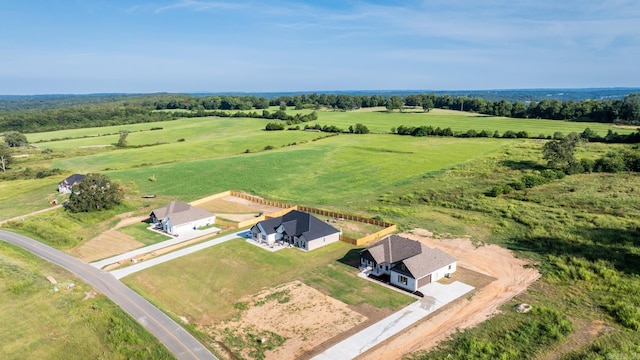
512,278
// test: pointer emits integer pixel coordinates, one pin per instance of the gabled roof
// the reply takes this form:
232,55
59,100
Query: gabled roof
299,223
424,263
394,248
418,259
180,213
73,179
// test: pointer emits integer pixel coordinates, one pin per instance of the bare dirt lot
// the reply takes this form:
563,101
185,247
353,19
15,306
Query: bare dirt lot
513,276
236,205
301,315
109,243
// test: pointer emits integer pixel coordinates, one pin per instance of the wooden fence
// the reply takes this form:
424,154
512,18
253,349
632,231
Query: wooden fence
389,228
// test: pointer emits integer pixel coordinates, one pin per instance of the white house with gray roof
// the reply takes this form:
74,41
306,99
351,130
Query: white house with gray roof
409,264
296,228
177,217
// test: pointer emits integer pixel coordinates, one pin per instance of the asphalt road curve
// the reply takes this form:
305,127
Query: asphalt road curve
172,335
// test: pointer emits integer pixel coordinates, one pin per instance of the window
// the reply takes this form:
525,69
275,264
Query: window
402,279
449,267
387,267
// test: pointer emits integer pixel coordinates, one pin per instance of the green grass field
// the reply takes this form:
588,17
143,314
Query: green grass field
212,280
582,229
37,322
337,170
378,120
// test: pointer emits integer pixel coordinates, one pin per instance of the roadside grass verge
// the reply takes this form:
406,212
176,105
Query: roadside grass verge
140,232
62,229
208,283
38,323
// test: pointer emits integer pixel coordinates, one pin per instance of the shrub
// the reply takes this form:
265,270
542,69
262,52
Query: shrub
181,140
269,147
274,126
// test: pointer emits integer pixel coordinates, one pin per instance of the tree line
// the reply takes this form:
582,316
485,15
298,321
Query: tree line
137,109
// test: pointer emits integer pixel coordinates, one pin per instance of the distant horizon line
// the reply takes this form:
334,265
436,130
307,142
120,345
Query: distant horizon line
381,91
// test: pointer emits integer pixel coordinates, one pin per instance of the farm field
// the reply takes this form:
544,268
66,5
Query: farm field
378,120
38,322
581,230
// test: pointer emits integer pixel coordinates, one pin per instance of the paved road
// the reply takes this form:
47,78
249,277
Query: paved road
172,335
120,273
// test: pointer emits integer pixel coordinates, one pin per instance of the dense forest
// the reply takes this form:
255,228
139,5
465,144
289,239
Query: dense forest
56,113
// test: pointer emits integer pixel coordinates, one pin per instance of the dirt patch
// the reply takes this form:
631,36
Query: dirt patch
585,332
236,217
236,205
284,322
111,242
513,276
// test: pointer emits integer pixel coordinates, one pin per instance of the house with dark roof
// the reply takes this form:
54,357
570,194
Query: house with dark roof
407,263
295,228
178,217
65,186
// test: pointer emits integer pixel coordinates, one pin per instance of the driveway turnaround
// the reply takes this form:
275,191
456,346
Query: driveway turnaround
436,295
172,335
151,248
120,273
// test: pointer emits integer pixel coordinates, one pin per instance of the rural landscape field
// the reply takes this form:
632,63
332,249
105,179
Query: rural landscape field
572,234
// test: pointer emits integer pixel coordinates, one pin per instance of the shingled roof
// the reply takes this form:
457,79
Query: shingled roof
73,179
180,213
418,259
394,248
298,223
423,264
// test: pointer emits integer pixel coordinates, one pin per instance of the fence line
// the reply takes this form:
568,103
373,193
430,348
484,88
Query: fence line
389,228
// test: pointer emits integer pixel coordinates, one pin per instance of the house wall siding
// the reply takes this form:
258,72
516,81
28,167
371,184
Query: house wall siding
411,282
440,273
320,242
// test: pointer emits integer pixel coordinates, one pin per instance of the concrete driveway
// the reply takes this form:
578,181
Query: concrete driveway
120,273
435,297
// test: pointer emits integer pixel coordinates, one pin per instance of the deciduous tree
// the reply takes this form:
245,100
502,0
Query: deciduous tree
96,192
15,139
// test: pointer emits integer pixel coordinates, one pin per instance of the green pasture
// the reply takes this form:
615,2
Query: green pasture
19,197
337,170
37,322
208,283
203,138
382,121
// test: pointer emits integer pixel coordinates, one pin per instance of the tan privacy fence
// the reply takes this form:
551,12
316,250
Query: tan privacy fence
389,228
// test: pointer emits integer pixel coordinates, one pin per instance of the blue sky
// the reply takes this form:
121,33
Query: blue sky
91,46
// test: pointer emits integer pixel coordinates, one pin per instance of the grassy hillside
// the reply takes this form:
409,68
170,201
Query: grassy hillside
582,230
37,322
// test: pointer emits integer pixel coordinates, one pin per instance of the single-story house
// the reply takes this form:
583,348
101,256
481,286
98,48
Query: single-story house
178,217
65,186
409,264
296,228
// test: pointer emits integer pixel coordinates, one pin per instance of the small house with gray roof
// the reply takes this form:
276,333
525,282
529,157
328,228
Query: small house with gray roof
66,185
407,263
295,228
177,217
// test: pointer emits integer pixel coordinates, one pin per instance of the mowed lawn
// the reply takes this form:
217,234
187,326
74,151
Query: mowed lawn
204,286
332,171
378,120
